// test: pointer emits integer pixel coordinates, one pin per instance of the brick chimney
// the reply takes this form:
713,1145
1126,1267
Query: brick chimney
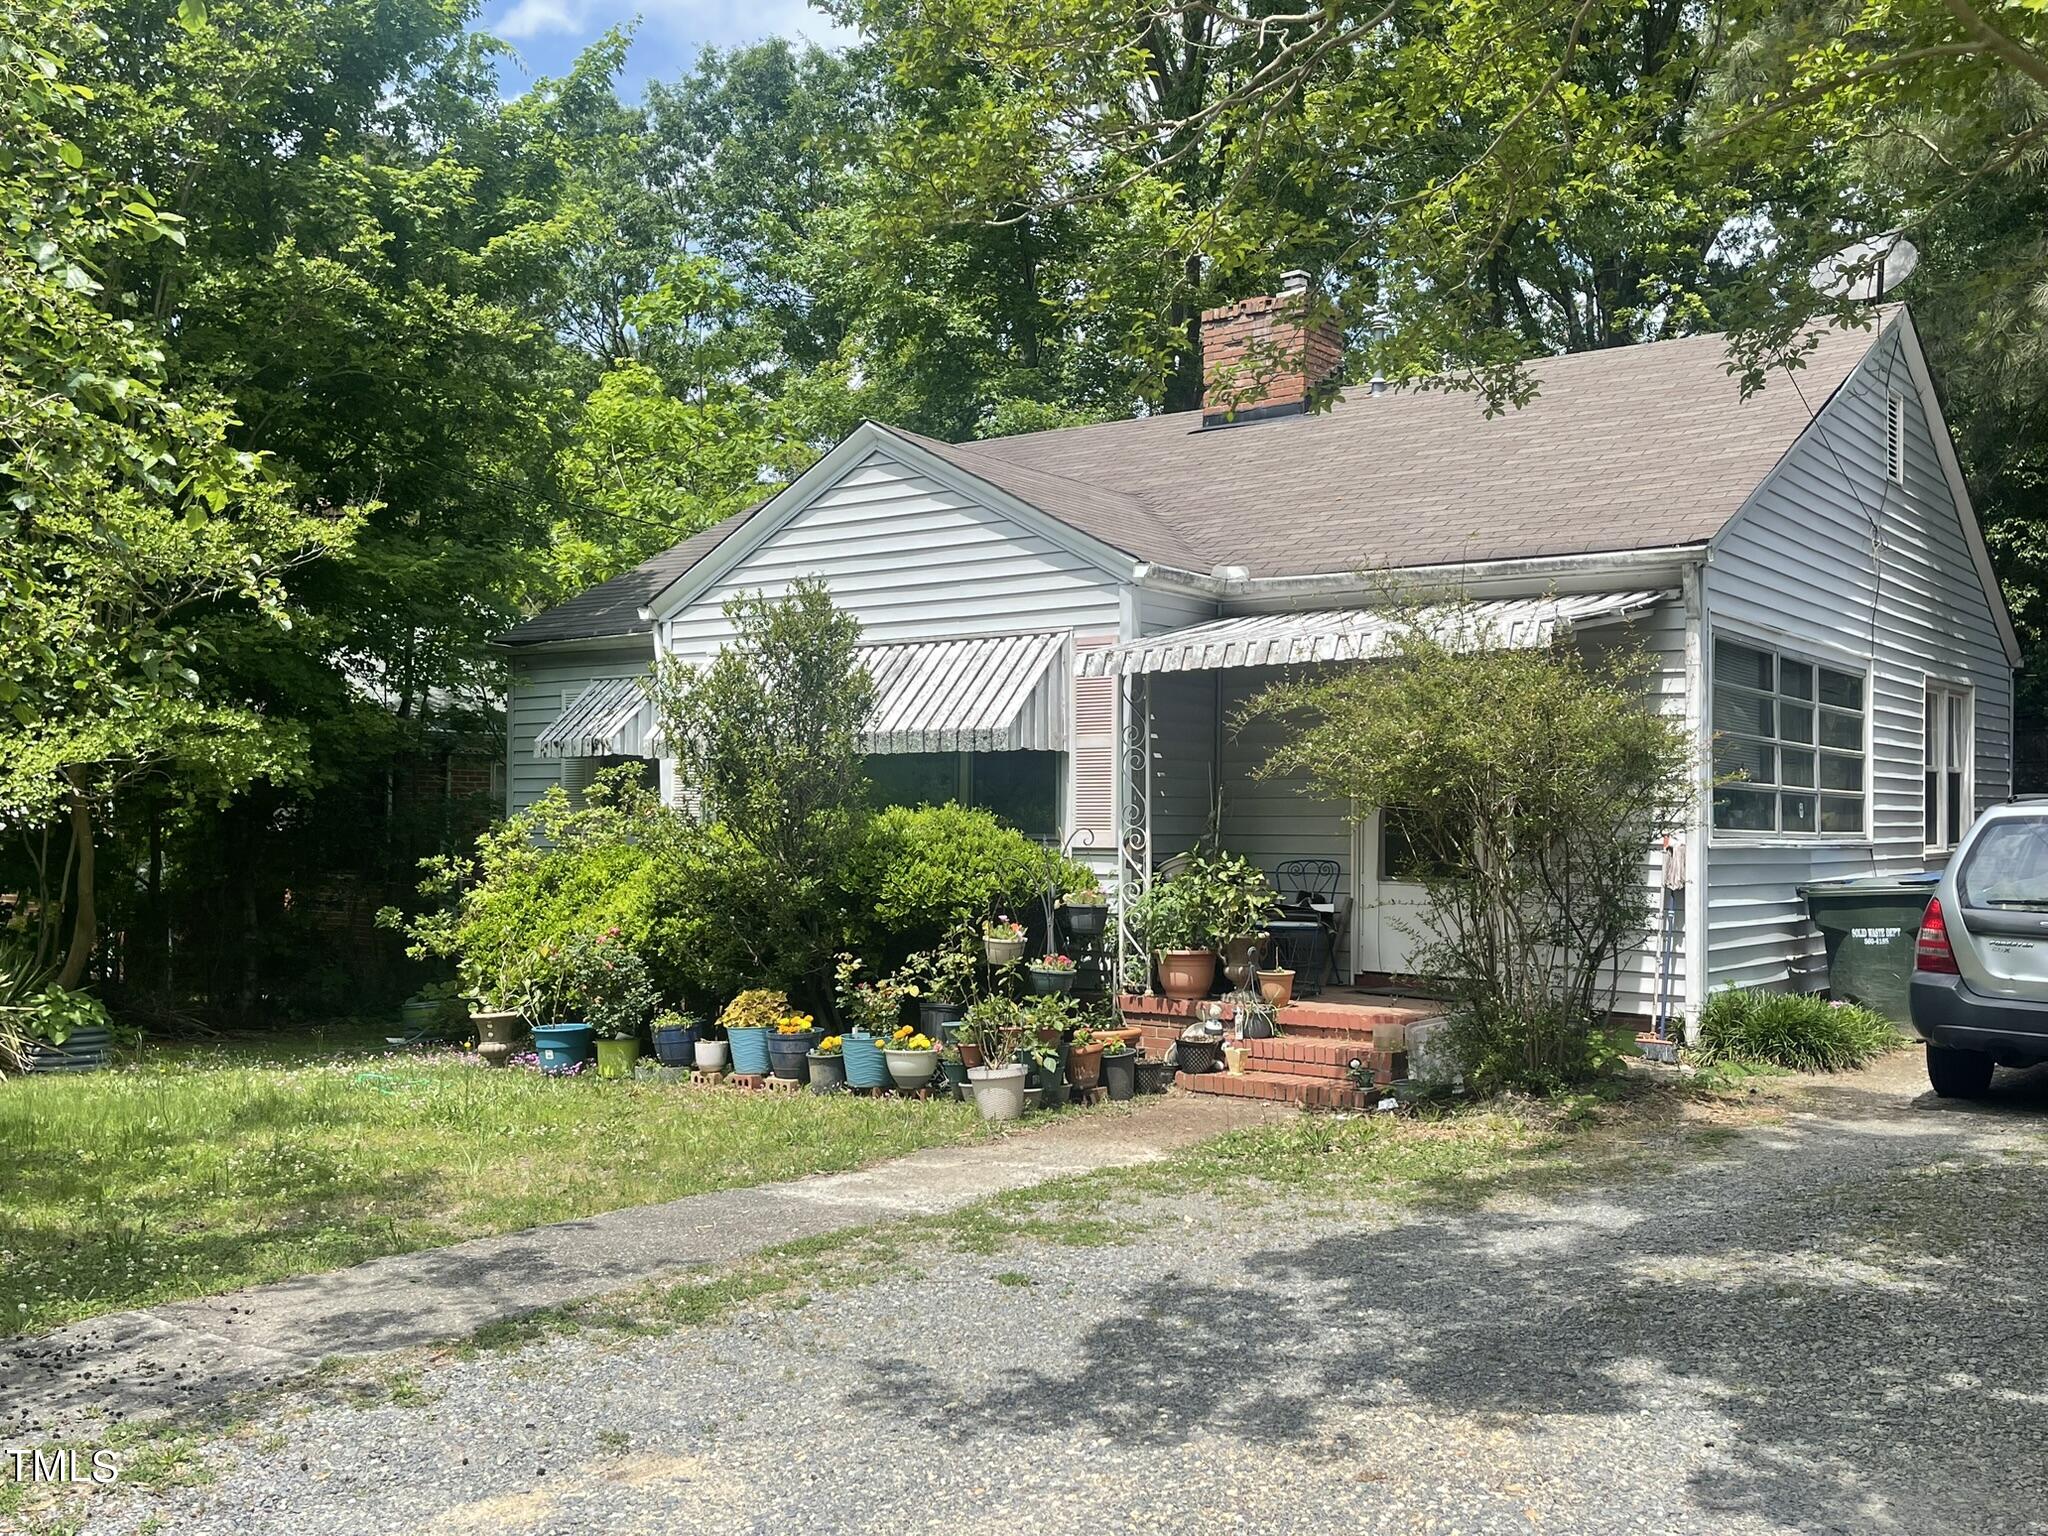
1264,357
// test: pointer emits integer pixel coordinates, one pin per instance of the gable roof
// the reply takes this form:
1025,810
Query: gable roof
1629,448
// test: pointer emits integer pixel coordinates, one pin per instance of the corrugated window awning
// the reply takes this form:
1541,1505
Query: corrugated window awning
1353,634
610,718
1001,693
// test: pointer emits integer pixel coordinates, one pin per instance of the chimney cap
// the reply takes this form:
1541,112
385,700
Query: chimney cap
1293,282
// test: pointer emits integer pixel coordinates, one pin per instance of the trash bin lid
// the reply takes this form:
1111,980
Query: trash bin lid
1918,882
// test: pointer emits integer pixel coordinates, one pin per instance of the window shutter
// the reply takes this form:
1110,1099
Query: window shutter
1093,750
577,773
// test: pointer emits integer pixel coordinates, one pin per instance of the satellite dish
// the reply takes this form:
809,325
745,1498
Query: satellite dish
1869,269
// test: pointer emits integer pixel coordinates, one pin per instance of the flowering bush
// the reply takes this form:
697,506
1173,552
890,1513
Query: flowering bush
793,1024
873,1006
831,1045
1052,963
612,982
946,974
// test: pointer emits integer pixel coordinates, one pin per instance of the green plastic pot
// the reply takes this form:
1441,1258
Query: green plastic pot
615,1058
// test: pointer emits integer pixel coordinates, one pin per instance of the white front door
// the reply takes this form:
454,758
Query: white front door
1387,912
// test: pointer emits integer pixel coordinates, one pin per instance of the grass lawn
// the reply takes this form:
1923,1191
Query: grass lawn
202,1171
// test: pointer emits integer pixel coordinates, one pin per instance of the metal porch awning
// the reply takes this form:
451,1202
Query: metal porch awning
1354,634
610,718
1001,693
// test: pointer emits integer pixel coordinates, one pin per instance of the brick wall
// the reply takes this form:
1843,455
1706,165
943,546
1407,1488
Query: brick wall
1261,352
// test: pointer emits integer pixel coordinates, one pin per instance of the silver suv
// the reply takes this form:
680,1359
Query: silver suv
1980,966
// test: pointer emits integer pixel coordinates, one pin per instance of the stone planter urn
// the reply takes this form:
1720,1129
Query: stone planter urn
497,1035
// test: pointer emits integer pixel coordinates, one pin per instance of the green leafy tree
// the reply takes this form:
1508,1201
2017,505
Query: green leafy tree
1533,784
766,738
131,513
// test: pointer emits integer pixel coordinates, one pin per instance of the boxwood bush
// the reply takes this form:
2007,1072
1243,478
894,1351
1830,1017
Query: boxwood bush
1802,1031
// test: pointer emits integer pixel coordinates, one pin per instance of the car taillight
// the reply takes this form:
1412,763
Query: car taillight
1932,950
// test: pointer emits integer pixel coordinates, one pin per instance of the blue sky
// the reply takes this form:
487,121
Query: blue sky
548,34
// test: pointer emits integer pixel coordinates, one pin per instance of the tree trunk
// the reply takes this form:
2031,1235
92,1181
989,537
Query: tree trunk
84,918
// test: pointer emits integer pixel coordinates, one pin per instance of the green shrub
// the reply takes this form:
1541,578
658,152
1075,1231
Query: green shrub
1802,1031
924,871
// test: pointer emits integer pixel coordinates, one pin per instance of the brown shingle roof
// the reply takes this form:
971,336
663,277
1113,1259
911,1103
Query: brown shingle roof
612,608
1630,448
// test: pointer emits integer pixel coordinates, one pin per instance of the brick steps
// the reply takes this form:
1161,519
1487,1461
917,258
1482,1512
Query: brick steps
1280,1088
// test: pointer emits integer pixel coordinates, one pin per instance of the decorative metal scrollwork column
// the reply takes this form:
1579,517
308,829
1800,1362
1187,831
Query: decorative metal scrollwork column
1134,829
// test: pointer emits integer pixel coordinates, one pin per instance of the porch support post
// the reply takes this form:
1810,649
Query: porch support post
1134,828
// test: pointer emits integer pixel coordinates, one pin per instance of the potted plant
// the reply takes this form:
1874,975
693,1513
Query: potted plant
1197,1052
1174,926
1052,974
994,1027
789,1043
913,1059
1002,940
675,1035
709,1053
433,1013
941,981
1276,986
827,1064
1085,913
555,981
954,1069
1255,1018
61,1031
1241,901
618,997
1154,1075
748,1020
874,1010
1119,1069
1084,1059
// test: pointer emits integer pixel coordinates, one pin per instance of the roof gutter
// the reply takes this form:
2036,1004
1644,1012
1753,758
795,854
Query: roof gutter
1629,567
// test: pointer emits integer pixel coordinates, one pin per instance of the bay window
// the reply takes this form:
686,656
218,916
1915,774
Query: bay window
1949,803
1789,754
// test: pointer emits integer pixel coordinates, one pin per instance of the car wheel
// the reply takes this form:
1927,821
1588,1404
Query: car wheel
1958,1074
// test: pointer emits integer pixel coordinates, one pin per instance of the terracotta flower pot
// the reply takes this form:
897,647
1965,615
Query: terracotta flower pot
1084,1067
970,1054
1187,974
1277,987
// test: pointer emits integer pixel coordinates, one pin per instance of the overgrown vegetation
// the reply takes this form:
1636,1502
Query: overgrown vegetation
1533,784
1800,1031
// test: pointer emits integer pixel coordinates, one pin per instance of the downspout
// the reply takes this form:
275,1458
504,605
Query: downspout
1697,937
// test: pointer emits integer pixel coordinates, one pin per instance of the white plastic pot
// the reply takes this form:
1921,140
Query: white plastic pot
710,1055
998,1091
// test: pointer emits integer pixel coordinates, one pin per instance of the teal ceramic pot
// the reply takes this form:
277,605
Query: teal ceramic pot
786,1053
865,1066
955,1071
1048,983
749,1051
562,1047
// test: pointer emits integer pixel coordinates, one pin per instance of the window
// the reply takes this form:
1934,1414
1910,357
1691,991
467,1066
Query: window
1788,744
1404,856
1948,805
1895,439
1020,788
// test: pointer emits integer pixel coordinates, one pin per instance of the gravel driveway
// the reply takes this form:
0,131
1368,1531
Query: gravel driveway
1829,1324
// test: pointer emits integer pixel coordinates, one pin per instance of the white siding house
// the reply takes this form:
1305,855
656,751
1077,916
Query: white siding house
1804,566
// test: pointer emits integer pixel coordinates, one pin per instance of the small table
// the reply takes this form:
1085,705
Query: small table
1301,945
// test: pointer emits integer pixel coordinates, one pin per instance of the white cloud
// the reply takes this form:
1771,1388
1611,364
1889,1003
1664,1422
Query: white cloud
533,18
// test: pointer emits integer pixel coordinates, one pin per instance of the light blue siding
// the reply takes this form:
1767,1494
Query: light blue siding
1833,558
542,685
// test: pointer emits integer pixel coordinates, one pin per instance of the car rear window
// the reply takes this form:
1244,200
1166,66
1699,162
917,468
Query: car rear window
2007,865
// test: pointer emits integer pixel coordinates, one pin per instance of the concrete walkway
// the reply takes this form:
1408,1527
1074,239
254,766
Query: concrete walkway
189,1354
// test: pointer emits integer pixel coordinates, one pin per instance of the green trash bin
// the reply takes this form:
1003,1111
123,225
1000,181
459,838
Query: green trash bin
1869,926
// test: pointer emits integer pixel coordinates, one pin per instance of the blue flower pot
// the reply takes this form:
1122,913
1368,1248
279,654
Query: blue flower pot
787,1054
866,1067
749,1051
675,1047
561,1046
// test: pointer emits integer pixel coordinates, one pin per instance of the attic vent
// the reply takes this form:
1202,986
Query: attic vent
1895,439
